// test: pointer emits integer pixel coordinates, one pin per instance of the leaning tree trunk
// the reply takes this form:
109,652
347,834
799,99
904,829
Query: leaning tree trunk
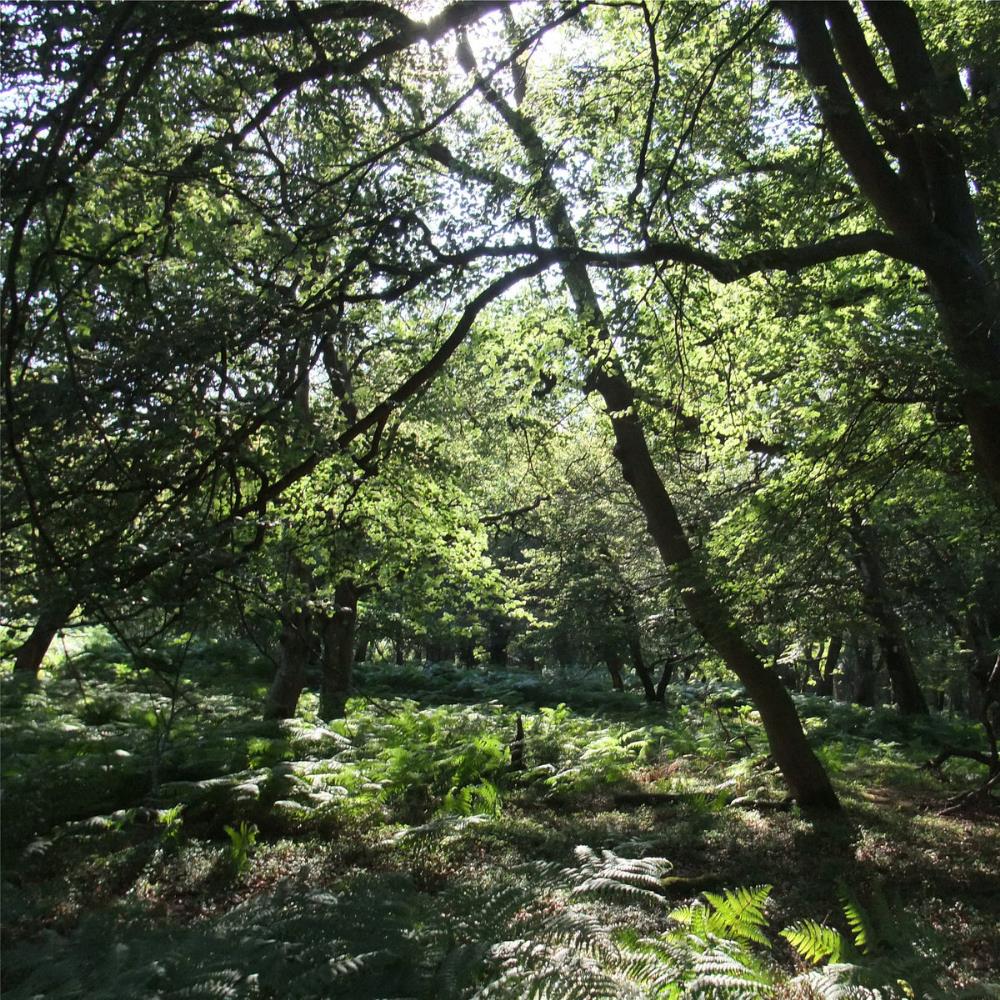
634,640
802,770
295,650
53,616
641,669
807,780
338,651
666,676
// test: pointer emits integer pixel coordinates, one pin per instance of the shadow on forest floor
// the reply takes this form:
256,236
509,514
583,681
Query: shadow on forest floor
407,812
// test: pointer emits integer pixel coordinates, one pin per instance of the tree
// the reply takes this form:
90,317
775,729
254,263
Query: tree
247,247
926,201
594,591
401,532
161,283
606,375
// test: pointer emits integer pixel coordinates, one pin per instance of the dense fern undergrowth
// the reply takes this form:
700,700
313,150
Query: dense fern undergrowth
161,841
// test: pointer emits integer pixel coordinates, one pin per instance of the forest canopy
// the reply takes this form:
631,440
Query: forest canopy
661,338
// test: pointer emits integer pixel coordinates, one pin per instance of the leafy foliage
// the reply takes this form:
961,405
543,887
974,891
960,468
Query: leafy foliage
408,784
579,337
241,842
814,941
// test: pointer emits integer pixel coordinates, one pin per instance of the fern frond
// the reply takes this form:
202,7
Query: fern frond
832,982
739,913
857,919
580,932
685,915
814,941
352,964
460,966
616,878
222,986
732,970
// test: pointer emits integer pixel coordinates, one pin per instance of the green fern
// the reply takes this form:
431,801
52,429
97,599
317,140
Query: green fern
241,842
733,971
739,913
865,938
815,942
885,954
736,914
534,934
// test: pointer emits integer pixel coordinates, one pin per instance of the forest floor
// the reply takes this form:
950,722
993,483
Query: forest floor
160,841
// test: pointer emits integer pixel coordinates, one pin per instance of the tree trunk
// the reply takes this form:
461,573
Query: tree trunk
906,688
52,616
361,654
807,780
295,649
498,641
786,672
517,746
641,670
970,311
440,651
614,662
974,630
863,687
561,650
914,176
338,651
666,676
824,673
821,667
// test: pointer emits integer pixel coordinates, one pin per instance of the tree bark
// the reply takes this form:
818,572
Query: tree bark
927,203
863,688
906,690
666,676
440,651
295,650
467,653
498,642
361,653
337,632
641,669
614,662
822,667
973,629
806,778
52,616
830,664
